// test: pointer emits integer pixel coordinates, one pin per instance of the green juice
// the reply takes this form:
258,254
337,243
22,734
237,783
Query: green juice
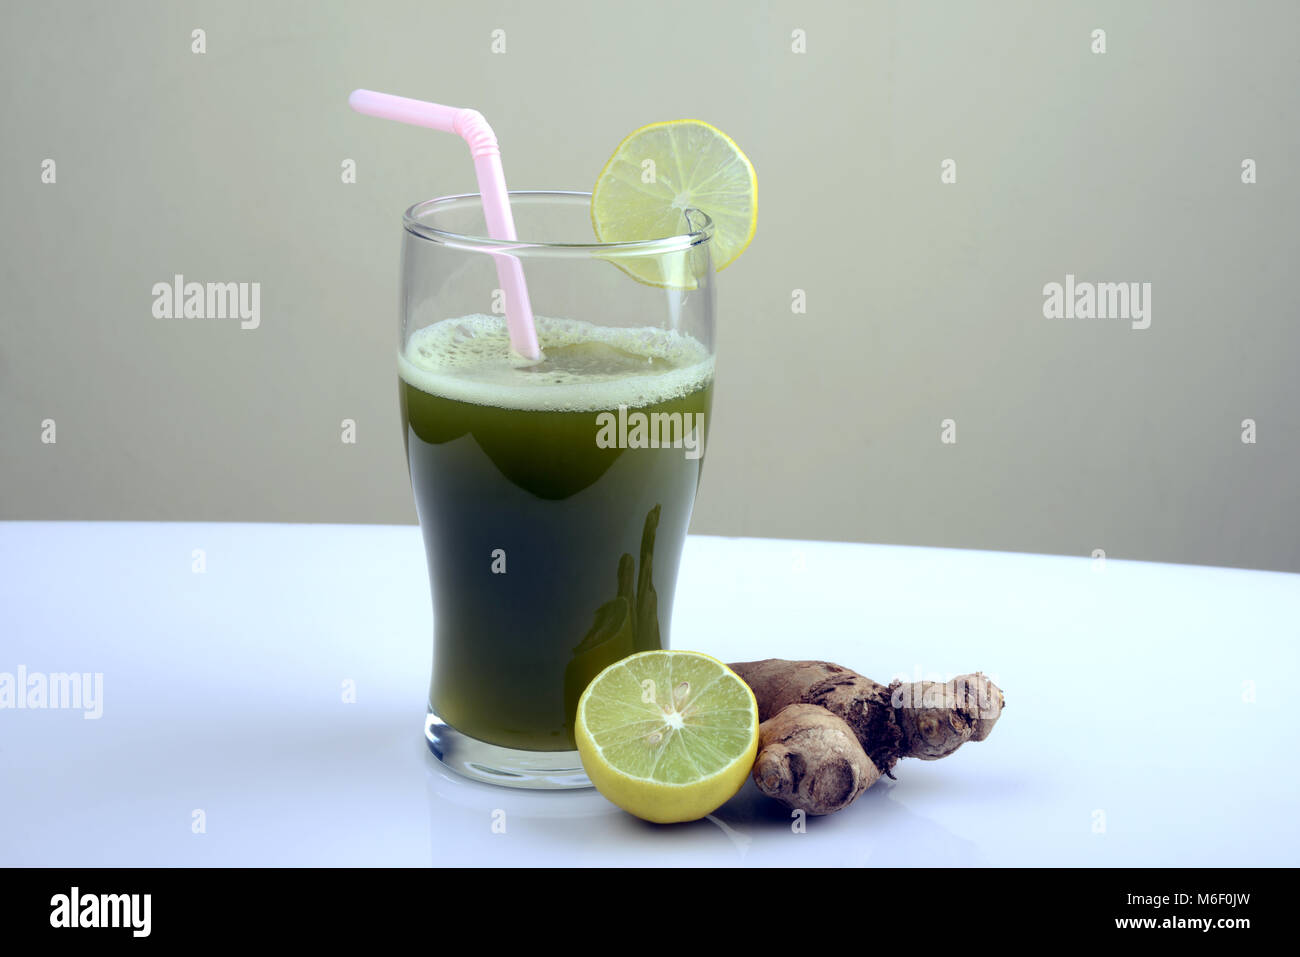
553,525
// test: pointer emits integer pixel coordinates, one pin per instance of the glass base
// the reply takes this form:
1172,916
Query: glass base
510,767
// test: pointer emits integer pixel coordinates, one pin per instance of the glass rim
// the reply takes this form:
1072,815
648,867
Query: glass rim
412,224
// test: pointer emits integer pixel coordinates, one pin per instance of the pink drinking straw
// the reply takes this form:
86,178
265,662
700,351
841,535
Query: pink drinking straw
474,130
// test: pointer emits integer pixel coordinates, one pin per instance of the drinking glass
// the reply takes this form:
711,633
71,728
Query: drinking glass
553,495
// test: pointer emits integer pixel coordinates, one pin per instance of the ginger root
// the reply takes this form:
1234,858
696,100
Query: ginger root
811,759
828,733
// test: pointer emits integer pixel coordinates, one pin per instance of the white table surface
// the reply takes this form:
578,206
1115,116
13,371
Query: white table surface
1128,687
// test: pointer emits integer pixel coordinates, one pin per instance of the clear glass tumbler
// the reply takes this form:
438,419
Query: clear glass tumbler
553,495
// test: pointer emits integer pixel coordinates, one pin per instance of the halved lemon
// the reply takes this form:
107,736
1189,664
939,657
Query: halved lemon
667,735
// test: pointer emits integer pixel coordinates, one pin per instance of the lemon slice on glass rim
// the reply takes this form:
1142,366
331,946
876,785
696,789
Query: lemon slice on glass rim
655,176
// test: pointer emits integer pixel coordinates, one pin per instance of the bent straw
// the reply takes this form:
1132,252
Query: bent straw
474,130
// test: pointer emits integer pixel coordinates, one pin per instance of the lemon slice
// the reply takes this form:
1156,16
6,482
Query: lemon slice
659,172
667,735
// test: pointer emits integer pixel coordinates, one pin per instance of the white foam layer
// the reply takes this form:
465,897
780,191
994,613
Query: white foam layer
584,368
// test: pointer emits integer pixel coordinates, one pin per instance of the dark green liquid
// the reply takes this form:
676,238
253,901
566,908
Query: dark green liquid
591,538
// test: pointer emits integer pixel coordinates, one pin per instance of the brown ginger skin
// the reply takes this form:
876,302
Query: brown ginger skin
810,759
936,719
921,719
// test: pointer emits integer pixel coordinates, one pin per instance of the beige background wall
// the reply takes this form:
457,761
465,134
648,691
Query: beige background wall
924,299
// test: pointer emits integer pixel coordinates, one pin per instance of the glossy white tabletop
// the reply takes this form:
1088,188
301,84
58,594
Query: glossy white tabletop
1148,721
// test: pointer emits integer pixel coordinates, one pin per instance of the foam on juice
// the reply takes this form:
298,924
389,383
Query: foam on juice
583,368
